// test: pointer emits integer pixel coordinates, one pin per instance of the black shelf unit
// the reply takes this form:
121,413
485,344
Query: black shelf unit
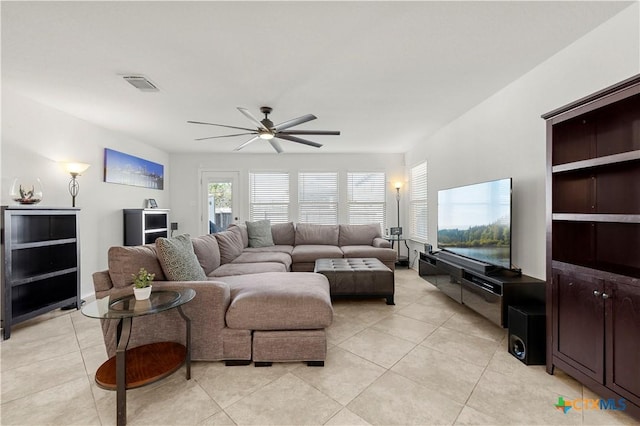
144,226
41,262
490,295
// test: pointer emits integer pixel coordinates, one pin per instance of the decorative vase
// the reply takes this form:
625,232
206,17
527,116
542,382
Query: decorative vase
142,293
26,191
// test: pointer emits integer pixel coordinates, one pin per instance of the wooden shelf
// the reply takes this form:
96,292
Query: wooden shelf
145,364
596,162
596,217
41,277
22,246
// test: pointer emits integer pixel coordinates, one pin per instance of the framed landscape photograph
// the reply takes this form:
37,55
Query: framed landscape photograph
127,169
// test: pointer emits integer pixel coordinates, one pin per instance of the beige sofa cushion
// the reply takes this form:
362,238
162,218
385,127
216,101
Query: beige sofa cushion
230,244
232,269
309,253
284,234
277,248
125,261
382,254
358,235
242,228
207,252
289,301
266,256
310,234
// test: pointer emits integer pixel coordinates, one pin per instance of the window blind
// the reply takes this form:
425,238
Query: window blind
366,192
269,196
318,198
418,202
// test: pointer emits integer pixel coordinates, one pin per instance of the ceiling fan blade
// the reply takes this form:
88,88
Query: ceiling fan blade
246,143
294,122
312,132
225,136
221,125
276,145
251,117
298,140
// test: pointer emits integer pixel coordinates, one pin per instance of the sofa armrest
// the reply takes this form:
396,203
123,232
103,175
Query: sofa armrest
381,243
207,313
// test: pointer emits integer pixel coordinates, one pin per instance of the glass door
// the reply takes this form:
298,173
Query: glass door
220,200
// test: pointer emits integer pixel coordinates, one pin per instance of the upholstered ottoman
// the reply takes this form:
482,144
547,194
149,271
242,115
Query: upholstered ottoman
365,277
288,313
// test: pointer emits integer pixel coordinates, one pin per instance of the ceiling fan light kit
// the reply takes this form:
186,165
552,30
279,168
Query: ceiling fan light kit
266,130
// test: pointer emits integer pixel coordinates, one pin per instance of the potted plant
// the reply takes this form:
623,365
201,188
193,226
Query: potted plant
142,284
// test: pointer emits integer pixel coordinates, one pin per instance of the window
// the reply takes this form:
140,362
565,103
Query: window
318,198
366,196
269,196
418,203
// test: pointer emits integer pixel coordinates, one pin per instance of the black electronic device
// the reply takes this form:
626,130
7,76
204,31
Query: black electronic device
467,263
527,334
428,248
396,231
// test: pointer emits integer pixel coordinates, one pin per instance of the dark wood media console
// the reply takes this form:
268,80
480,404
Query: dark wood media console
488,294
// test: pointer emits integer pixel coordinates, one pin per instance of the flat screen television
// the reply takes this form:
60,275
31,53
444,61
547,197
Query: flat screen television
474,221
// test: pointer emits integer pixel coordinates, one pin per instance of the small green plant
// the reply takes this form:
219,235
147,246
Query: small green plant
142,279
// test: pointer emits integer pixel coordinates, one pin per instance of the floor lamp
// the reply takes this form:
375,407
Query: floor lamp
399,230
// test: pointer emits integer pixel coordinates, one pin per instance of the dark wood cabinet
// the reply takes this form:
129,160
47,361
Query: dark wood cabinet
41,262
623,348
578,318
593,241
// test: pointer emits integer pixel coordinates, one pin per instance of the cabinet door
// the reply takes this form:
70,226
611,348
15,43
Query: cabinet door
623,340
578,322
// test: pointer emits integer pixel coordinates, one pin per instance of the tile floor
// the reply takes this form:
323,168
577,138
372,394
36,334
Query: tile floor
426,360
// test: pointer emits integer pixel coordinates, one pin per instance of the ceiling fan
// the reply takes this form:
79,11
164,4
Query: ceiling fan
266,130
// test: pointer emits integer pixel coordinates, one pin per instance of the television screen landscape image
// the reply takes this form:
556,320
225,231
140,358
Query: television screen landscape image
475,221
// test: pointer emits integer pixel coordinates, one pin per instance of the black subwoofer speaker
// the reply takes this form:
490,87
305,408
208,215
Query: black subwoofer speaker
527,333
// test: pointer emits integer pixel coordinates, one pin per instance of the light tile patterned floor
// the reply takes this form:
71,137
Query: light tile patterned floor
426,360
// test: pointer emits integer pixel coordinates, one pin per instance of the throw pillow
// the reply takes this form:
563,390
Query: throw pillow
230,244
178,260
260,233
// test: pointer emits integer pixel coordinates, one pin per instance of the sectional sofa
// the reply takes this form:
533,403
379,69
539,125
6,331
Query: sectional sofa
260,304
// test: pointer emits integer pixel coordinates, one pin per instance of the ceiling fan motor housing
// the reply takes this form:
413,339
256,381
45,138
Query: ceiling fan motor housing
266,122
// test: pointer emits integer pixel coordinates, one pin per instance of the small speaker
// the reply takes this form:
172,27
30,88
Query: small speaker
527,333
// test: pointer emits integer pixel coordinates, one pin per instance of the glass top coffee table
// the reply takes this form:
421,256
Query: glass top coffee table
145,364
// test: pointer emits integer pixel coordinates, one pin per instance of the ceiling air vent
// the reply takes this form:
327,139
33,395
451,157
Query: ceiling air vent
141,83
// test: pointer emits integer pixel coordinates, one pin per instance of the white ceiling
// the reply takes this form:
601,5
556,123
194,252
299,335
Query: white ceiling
387,74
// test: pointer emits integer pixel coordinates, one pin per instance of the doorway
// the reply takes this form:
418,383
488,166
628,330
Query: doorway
220,192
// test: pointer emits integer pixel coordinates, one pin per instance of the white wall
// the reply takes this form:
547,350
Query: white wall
186,201
504,136
36,137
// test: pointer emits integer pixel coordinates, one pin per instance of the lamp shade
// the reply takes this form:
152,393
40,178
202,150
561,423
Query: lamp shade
398,185
76,168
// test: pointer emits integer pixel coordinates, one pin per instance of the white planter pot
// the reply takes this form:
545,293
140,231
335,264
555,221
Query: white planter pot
142,293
